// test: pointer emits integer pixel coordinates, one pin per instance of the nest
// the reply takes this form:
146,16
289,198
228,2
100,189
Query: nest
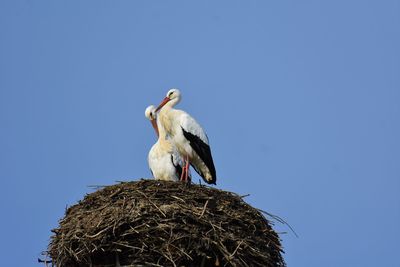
161,223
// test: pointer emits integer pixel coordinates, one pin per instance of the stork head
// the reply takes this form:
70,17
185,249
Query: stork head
174,94
173,97
150,113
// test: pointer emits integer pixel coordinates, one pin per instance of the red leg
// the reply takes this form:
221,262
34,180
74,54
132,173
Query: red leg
187,170
183,173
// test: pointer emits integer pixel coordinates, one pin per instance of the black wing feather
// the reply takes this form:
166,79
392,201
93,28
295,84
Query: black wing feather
204,152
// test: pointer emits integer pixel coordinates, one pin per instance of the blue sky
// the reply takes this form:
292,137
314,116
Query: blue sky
300,100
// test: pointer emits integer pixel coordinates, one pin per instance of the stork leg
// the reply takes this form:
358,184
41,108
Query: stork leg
187,169
183,172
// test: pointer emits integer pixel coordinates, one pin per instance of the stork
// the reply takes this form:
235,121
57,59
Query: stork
164,160
188,137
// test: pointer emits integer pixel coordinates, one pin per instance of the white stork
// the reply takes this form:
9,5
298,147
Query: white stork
164,160
188,137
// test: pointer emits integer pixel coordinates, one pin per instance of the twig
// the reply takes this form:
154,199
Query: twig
151,202
116,192
178,198
128,246
234,252
153,264
187,255
99,233
279,219
204,209
45,261
96,186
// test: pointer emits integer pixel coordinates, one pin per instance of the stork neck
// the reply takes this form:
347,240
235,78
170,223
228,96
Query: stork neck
163,142
165,114
162,134
173,102
166,119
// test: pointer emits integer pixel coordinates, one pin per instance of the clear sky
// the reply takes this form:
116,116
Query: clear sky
300,100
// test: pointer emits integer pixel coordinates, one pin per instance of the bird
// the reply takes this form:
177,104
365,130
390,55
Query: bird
188,136
164,160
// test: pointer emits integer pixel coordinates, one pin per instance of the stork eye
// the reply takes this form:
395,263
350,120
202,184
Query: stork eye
169,95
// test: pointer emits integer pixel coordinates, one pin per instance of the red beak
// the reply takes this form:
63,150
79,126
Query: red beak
165,101
154,123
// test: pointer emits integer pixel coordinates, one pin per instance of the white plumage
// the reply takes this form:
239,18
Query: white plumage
188,136
164,160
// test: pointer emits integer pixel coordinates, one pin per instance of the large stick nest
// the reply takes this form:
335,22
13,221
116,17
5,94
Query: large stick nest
159,223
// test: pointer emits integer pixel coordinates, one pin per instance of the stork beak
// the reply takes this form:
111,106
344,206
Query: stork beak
165,101
154,123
